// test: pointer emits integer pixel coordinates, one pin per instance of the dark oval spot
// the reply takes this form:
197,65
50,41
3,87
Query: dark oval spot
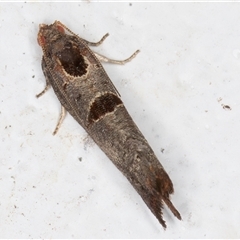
72,60
103,105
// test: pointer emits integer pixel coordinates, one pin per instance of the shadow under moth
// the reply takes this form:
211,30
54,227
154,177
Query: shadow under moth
86,92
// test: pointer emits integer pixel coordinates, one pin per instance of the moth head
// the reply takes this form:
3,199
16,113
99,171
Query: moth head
49,33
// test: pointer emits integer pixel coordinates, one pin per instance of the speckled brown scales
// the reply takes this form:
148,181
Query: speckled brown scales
86,92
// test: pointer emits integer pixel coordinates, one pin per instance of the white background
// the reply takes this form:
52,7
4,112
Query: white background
175,89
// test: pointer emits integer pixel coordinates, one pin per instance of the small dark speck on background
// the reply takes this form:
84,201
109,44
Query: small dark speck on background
226,107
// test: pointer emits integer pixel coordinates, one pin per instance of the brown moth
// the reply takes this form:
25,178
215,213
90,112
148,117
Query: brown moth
86,92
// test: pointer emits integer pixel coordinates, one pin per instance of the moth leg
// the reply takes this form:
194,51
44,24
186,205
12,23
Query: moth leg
48,85
95,44
61,118
87,42
121,62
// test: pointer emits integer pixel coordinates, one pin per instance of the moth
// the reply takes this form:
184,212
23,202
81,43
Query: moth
87,93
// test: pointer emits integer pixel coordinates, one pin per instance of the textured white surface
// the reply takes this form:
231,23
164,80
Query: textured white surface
174,89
